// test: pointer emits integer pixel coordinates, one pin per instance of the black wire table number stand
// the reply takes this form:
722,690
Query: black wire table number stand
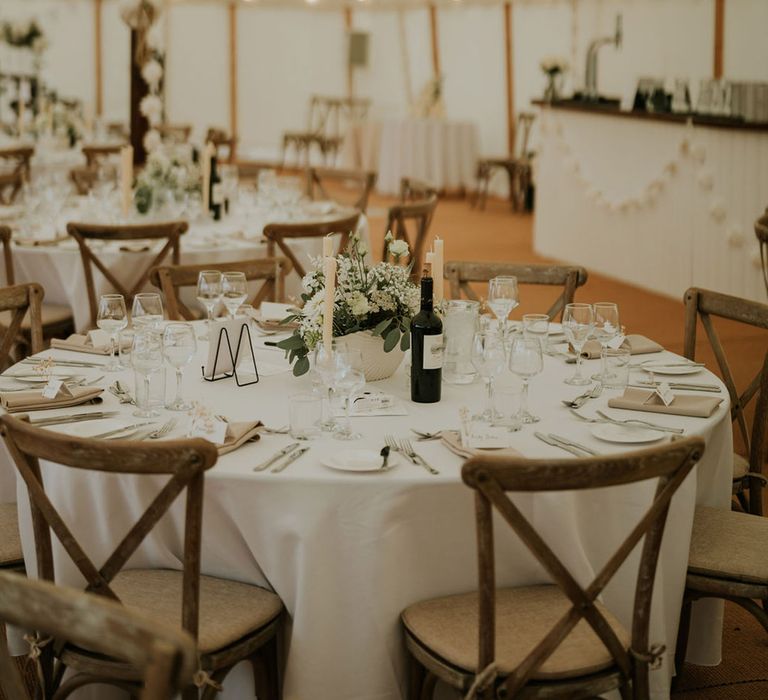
224,335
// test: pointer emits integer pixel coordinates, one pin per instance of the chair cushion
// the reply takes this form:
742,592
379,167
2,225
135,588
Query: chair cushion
740,467
10,542
729,545
229,610
449,628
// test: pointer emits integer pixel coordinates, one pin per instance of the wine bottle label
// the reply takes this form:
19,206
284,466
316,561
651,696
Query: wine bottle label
433,352
217,194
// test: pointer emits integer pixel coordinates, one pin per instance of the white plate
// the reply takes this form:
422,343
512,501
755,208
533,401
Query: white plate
661,369
36,378
610,432
359,461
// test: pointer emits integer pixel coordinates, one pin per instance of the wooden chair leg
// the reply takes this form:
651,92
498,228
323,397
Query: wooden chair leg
428,689
682,640
416,676
266,671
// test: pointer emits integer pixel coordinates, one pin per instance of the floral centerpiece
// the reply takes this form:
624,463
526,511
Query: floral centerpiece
24,35
61,121
166,175
553,67
377,302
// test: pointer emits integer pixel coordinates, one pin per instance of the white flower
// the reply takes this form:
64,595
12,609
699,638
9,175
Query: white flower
398,248
152,140
151,106
152,72
358,304
154,37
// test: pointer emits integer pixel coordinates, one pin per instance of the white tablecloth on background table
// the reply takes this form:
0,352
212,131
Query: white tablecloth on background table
441,152
347,552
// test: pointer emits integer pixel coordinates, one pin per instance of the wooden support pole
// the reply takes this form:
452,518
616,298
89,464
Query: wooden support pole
719,31
350,67
510,76
97,44
233,76
434,38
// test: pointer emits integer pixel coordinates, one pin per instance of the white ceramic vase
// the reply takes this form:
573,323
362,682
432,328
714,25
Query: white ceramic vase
377,364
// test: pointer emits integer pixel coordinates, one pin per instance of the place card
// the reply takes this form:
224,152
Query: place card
489,437
54,388
664,392
616,342
207,426
371,403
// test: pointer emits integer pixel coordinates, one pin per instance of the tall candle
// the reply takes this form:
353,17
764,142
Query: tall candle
126,178
208,152
329,270
437,270
328,247
429,258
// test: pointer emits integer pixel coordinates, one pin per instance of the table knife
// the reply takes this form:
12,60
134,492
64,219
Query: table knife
280,453
680,385
571,443
289,459
74,418
65,363
554,443
117,431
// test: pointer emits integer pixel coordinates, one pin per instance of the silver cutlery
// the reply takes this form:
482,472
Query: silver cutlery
384,456
282,430
280,453
163,430
554,443
427,436
654,426
580,400
407,449
683,386
64,363
73,418
650,364
122,394
118,431
571,443
289,459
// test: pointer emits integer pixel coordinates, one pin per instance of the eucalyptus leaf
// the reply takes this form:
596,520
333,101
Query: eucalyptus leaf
391,340
301,366
292,342
405,341
381,327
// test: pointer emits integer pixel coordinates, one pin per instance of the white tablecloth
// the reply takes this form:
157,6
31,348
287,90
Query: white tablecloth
347,552
440,152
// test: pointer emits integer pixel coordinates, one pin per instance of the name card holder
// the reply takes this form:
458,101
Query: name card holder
233,357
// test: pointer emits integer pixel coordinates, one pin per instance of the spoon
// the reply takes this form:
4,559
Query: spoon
385,456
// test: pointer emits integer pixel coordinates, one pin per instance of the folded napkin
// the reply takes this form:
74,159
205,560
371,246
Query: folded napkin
32,400
238,434
80,343
452,440
272,325
683,405
35,242
636,344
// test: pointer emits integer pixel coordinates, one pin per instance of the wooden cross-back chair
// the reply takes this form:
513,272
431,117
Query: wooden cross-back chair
171,278
460,275
417,216
10,187
94,155
164,656
84,233
229,621
359,182
279,234
19,158
761,232
704,305
175,133
546,641
222,142
84,177
16,303
413,190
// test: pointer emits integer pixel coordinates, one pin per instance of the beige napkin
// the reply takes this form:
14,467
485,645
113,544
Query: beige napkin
80,343
32,400
636,344
452,440
272,325
683,405
238,434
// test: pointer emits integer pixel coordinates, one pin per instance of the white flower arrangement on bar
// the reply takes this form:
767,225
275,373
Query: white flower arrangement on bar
380,299
173,174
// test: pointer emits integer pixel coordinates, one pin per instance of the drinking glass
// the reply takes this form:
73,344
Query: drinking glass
616,368
488,358
209,292
305,413
147,358
506,408
537,326
234,291
179,347
112,317
502,298
578,320
526,360
347,384
606,329
147,311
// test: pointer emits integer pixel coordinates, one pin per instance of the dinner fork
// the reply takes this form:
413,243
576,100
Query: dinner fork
579,401
630,421
407,449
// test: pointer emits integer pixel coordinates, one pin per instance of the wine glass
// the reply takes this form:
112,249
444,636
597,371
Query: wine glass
326,359
348,383
578,320
112,317
525,360
234,291
488,359
502,298
146,358
606,329
179,347
147,311
209,291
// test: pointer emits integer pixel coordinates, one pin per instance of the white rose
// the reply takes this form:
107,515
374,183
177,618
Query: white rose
398,248
152,72
152,140
358,304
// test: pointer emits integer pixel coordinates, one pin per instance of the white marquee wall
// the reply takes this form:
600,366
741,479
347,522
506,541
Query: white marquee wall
286,54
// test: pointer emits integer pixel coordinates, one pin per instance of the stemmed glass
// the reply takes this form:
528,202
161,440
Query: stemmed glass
147,311
578,321
488,358
146,358
209,292
606,329
179,347
234,291
525,360
502,298
112,317
325,368
347,383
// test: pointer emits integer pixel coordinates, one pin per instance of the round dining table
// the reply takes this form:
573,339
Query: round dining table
348,551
